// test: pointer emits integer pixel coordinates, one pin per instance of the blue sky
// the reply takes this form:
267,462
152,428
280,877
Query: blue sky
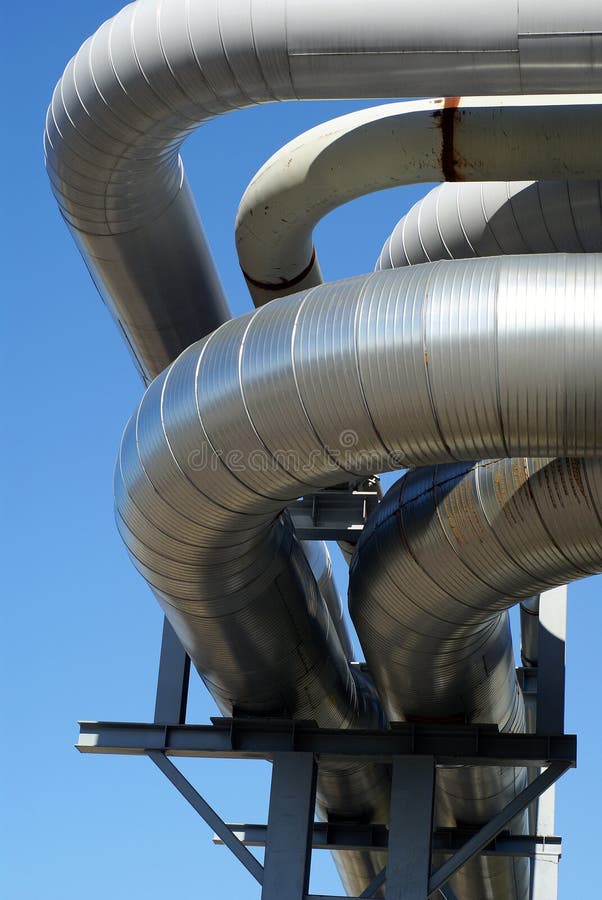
82,632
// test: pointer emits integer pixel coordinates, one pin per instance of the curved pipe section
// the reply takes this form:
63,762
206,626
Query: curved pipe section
117,119
160,68
459,139
450,549
460,221
202,475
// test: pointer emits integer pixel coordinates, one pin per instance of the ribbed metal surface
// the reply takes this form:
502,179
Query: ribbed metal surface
459,221
159,68
449,550
238,587
396,368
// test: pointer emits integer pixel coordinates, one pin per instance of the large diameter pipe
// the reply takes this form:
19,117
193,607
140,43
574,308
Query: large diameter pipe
153,74
453,547
460,139
448,551
160,68
460,221
355,377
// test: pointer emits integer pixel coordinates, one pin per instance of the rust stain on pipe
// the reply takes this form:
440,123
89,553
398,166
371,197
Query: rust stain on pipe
447,116
284,283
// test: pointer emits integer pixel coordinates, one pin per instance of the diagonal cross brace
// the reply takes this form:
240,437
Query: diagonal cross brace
487,833
375,884
252,865
483,837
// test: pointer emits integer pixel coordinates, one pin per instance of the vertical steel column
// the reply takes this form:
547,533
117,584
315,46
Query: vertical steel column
411,828
551,658
172,681
551,640
290,827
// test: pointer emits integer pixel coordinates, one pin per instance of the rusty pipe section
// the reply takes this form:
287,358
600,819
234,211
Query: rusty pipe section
160,68
450,549
467,139
460,221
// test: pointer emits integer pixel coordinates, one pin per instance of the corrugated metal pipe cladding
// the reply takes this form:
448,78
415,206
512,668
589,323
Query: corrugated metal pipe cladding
433,364
481,375
450,550
476,536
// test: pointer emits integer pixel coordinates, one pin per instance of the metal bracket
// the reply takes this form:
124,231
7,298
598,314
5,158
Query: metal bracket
172,680
337,514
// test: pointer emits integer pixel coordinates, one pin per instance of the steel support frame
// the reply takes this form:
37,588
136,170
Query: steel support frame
451,745
413,751
349,836
290,827
295,748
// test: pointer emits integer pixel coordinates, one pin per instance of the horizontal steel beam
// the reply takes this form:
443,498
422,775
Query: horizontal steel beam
346,836
326,836
262,738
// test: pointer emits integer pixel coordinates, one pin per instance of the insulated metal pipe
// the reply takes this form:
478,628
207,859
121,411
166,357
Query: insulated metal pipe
160,68
459,221
355,377
318,558
459,139
410,390
449,549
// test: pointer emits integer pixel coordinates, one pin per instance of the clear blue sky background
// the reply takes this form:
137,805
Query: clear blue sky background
81,631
